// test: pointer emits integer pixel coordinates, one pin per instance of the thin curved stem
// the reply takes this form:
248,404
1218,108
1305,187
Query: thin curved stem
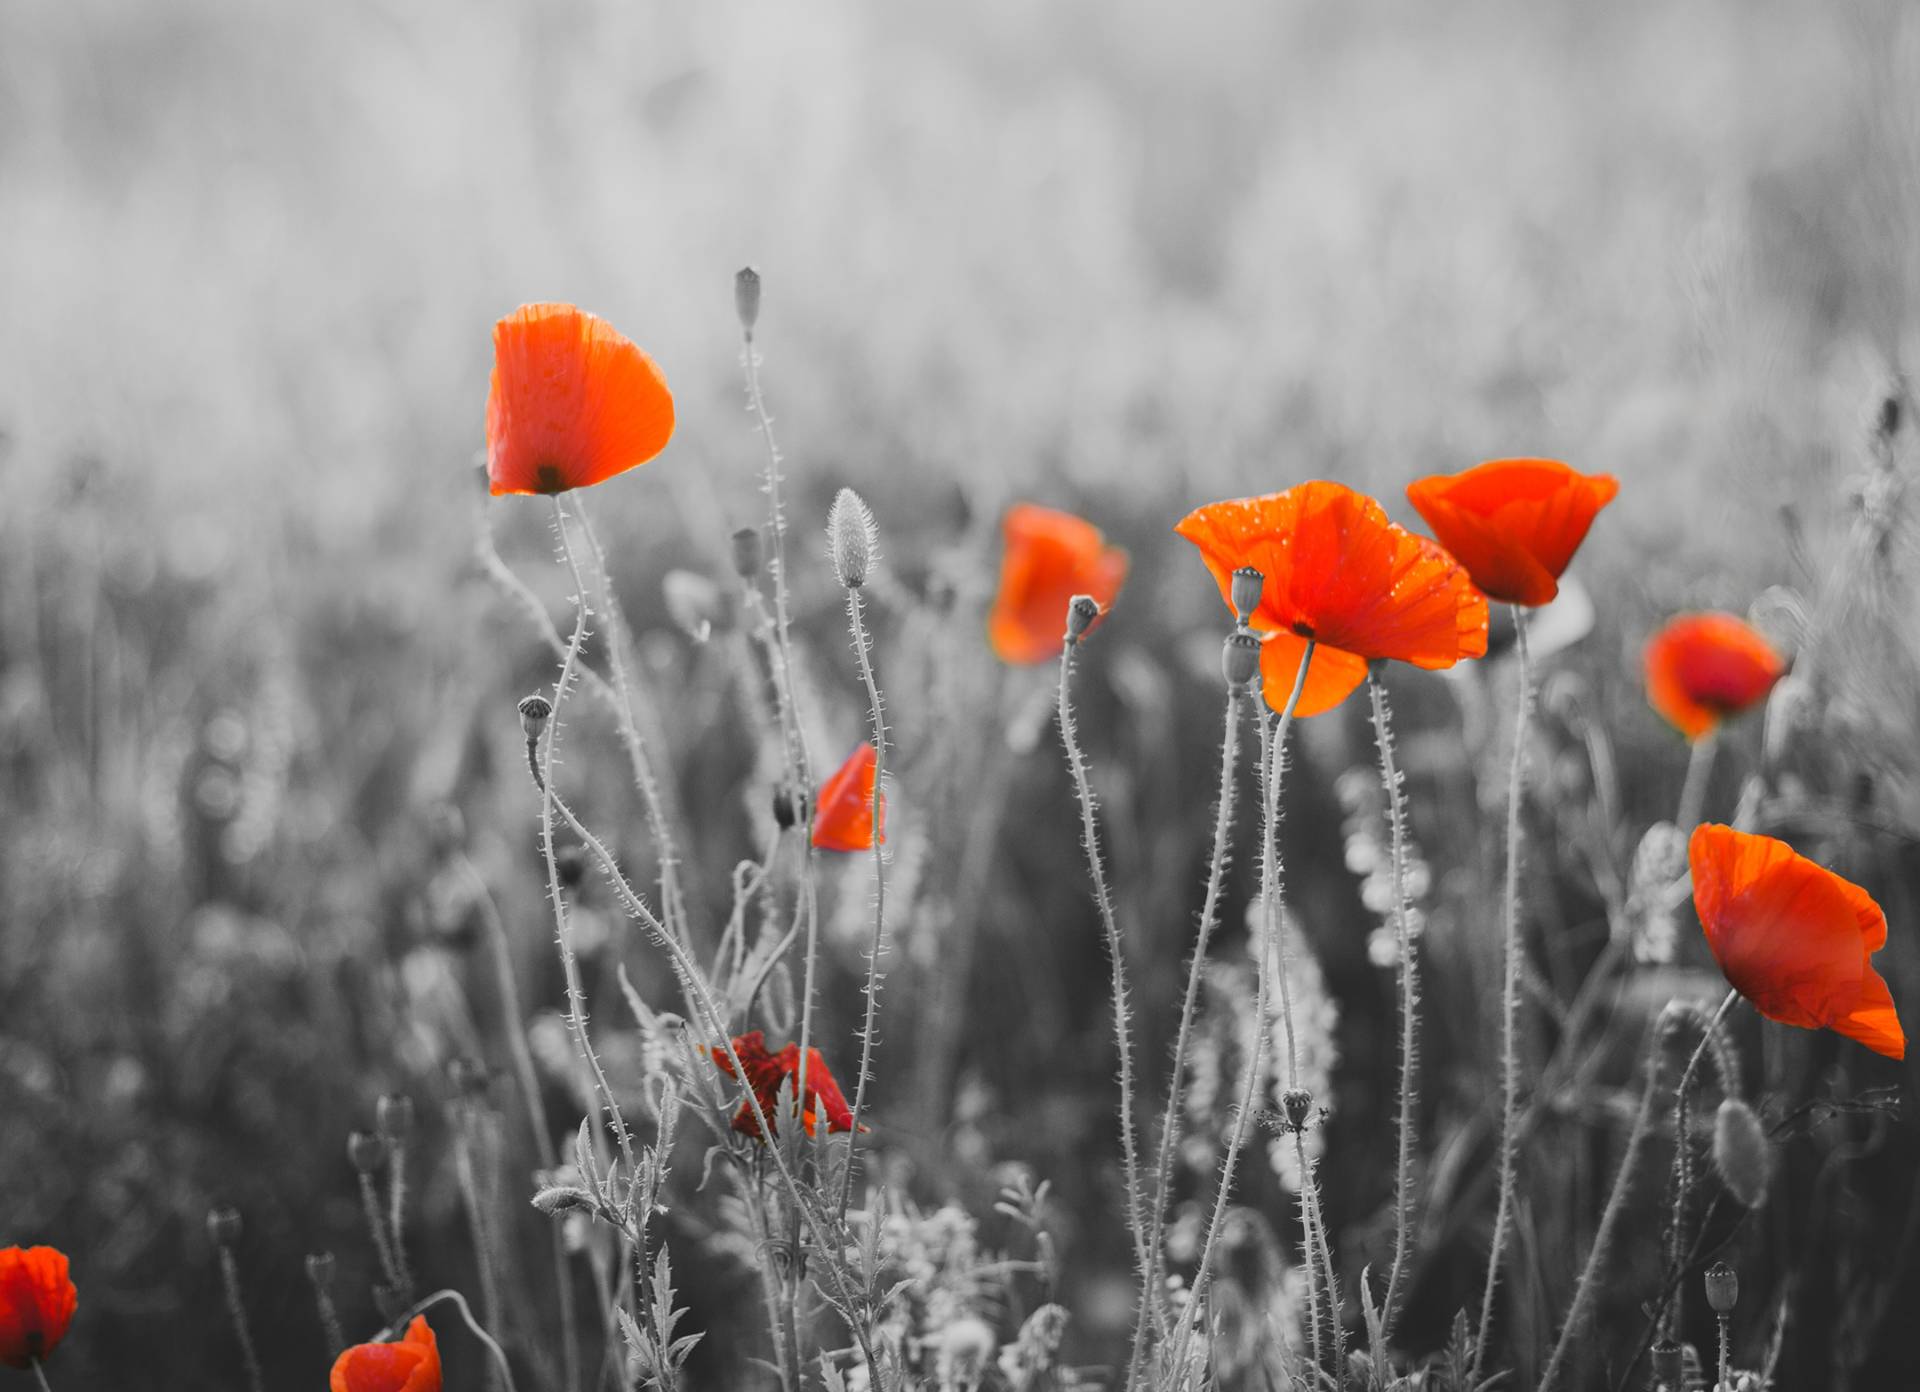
425,1303
876,711
1409,1003
1509,990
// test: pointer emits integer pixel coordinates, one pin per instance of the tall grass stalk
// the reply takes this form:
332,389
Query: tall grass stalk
863,649
1390,778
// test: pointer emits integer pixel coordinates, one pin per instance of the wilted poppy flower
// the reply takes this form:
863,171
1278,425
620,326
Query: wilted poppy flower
1793,937
1513,523
574,402
411,1365
1049,558
37,1301
843,821
767,1073
1338,572
1702,668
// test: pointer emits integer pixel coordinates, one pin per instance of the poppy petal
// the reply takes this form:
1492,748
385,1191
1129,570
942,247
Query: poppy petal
1702,668
1047,558
410,1365
1513,523
1332,675
37,1303
843,820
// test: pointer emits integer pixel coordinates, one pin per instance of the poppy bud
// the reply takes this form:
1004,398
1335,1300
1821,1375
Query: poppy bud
1299,1105
1723,1287
1660,859
851,538
562,1198
747,553
1247,585
535,710
1082,610
395,1115
1890,415
367,1151
1240,658
786,808
570,862
1741,1155
746,298
223,1226
1669,1366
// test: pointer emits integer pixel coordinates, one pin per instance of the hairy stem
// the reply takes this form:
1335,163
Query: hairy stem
377,1229
397,1214
1673,1308
230,1279
863,648
1409,1002
474,1327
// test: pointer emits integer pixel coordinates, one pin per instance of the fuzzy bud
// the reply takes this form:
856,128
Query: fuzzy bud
395,1114
1082,610
852,538
1240,658
1742,1156
746,298
789,808
1723,1288
1247,585
367,1150
748,553
535,711
1660,859
1299,1106
223,1226
557,1199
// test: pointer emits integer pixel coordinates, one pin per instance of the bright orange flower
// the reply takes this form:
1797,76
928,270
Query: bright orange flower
1049,558
1702,668
843,821
573,402
1793,937
1339,572
766,1073
1513,523
37,1301
411,1365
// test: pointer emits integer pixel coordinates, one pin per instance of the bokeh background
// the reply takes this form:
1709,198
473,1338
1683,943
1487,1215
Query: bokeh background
1117,257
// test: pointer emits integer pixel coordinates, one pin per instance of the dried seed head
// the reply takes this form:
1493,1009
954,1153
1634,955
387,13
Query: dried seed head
748,553
1082,610
320,1269
223,1226
1742,1156
389,1302
1247,584
394,1112
1723,1287
367,1150
1669,1366
789,809
852,539
1299,1105
1240,658
535,711
570,862
746,298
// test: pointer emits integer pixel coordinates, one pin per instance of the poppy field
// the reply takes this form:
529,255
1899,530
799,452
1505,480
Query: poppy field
666,729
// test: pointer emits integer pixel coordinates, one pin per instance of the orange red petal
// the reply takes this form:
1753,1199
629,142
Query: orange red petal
37,1301
1793,937
1702,668
573,402
1513,523
411,1364
843,818
768,1073
1047,558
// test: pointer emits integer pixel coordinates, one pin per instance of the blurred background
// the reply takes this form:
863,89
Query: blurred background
1116,257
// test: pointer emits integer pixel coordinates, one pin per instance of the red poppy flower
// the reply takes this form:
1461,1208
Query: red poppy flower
1513,523
37,1301
1702,668
573,403
766,1073
843,821
1049,558
1337,571
411,1365
1793,937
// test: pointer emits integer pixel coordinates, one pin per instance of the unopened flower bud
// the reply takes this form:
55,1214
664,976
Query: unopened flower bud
1299,1105
1890,414
789,809
852,538
557,1199
1742,1156
535,711
1082,610
395,1115
748,553
1723,1287
223,1226
367,1150
1247,585
1240,658
746,298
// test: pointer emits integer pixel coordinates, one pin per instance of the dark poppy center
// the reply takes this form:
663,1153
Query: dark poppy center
548,479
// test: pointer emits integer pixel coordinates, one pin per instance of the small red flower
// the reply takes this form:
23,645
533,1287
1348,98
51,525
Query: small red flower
1049,558
1338,572
573,402
1702,668
1513,523
37,1301
767,1073
411,1365
843,820
1793,937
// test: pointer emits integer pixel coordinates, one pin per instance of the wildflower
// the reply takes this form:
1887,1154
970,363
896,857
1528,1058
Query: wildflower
1339,573
573,402
1049,558
1794,938
1513,523
1702,668
767,1073
844,821
1723,1287
37,1301
411,1365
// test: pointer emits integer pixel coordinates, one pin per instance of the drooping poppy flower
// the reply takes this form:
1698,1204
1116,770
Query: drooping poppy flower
1048,558
843,820
410,1365
37,1301
1513,523
767,1073
1702,668
1336,570
1793,937
573,402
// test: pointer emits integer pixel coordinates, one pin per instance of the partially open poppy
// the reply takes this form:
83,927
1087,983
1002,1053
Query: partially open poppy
1336,570
767,1073
37,1301
1049,557
843,820
1793,937
573,402
1702,668
410,1365
1513,523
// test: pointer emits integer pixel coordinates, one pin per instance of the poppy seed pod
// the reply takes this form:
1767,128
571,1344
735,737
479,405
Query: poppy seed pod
748,554
535,711
1741,1156
395,1115
224,1226
1299,1105
1244,592
852,538
1669,1366
1240,657
1723,1288
320,1268
1082,610
746,298
367,1150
